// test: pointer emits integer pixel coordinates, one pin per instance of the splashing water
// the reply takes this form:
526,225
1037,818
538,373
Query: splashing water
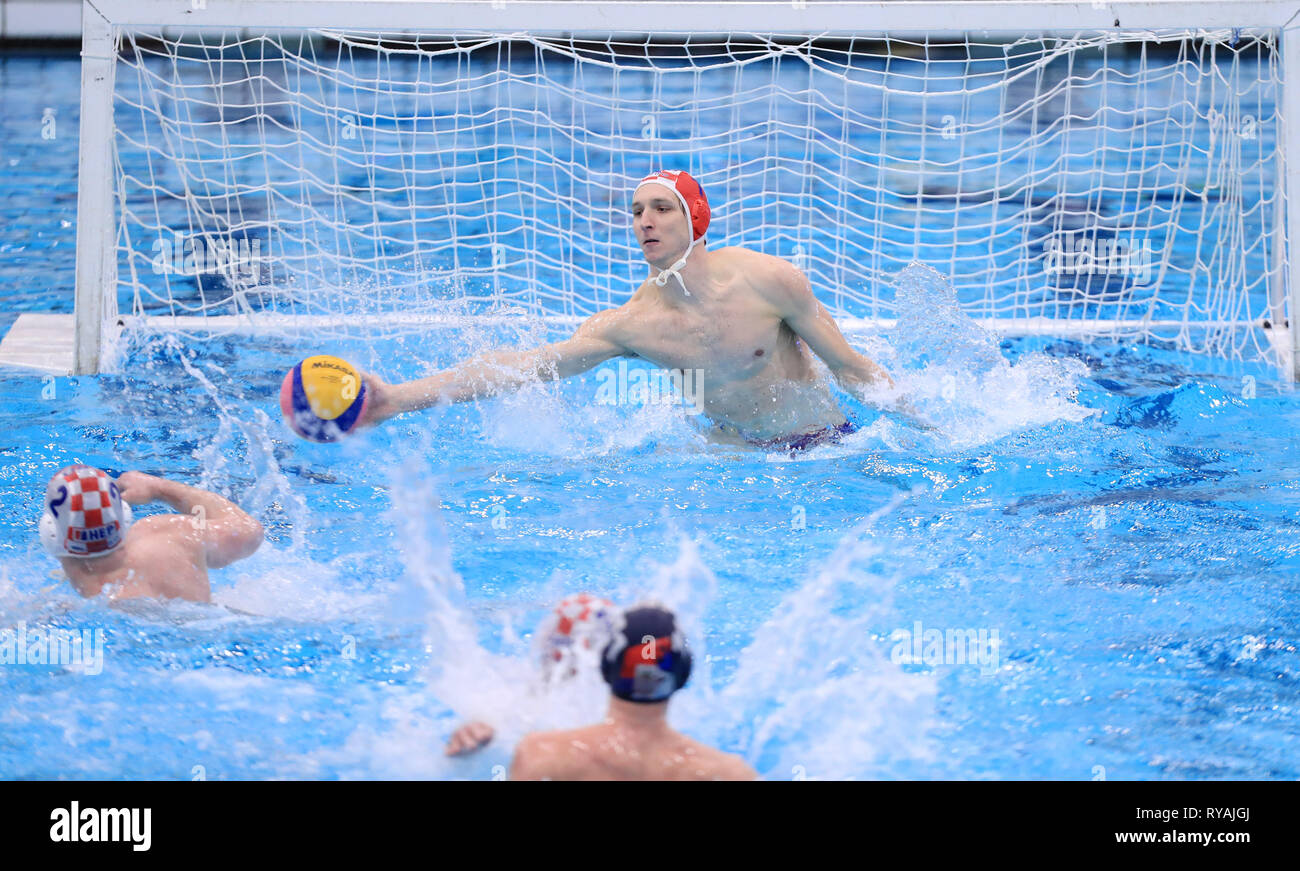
270,485
951,369
505,690
815,694
562,420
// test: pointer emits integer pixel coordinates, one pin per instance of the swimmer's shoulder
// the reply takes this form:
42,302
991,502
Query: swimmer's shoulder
646,297
762,273
775,281
544,756
715,764
623,324
166,553
751,261
166,533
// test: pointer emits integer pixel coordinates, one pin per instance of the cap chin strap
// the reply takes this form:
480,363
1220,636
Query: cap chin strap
676,269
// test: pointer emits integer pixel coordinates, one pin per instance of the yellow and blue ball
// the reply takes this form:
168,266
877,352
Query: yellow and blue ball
323,398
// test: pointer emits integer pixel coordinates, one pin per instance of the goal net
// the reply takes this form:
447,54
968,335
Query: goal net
1092,180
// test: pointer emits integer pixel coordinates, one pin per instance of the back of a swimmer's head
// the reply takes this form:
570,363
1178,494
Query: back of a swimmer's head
648,658
83,516
572,637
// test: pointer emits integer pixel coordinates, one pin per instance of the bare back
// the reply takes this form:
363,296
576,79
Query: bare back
612,751
163,556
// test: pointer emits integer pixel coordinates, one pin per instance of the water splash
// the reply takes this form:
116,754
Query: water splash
276,583
237,429
461,680
687,587
952,370
563,420
458,673
815,694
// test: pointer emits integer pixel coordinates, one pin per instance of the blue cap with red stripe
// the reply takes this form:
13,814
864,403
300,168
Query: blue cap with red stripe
648,660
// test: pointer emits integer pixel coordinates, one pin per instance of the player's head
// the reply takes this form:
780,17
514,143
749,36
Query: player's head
574,634
670,215
84,514
648,660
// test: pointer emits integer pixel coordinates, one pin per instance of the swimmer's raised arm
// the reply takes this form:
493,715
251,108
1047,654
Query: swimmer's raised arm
227,532
591,344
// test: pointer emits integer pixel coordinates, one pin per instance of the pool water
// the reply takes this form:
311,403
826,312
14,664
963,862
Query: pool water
1120,522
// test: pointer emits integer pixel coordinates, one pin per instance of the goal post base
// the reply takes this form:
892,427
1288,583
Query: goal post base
41,342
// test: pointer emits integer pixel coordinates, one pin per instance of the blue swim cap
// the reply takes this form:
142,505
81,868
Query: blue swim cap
648,659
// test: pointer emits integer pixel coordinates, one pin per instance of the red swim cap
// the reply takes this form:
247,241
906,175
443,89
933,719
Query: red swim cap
690,193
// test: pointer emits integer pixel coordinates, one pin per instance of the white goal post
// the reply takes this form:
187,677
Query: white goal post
1094,169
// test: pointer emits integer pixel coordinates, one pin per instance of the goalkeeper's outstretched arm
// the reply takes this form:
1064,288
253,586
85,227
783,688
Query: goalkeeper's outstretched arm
497,372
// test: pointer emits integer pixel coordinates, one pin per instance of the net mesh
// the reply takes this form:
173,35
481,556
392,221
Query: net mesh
372,179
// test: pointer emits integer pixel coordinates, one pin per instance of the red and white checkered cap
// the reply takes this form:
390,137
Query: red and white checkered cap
579,626
84,513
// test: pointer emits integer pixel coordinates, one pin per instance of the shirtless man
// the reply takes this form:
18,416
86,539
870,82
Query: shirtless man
87,525
749,321
647,662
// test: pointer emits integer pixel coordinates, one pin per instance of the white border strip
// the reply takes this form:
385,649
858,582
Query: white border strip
792,16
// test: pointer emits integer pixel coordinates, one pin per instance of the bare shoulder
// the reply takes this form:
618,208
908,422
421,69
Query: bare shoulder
165,539
732,767
642,298
757,261
645,290
714,764
615,323
172,531
526,763
165,553
625,326
774,278
542,756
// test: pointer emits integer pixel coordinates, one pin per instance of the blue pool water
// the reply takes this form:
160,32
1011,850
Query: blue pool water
1125,520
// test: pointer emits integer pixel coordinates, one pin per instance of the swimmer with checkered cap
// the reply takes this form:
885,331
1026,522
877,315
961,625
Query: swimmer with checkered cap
87,525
